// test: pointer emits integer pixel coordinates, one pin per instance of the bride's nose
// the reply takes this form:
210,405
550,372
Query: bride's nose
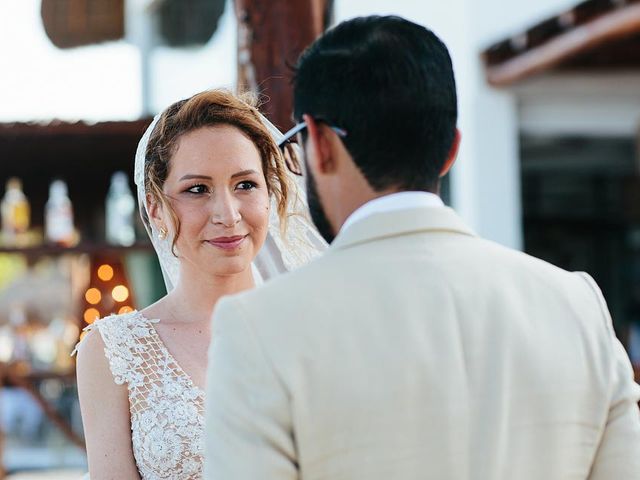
225,209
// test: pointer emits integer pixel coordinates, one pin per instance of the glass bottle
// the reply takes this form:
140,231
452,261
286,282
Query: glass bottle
120,209
16,213
59,227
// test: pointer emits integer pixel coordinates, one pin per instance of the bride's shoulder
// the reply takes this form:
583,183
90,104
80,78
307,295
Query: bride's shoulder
113,331
115,338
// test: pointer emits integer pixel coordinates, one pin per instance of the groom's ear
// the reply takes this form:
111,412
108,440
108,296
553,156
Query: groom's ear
453,154
318,147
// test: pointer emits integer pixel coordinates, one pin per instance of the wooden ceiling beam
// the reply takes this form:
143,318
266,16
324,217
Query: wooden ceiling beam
618,24
75,129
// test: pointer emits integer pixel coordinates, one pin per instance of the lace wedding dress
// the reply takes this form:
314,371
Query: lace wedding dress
167,409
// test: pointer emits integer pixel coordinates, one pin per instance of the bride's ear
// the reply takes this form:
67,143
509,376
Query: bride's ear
154,208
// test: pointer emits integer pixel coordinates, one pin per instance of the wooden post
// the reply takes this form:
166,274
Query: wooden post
271,36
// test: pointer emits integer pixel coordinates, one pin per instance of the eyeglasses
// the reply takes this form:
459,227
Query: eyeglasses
290,150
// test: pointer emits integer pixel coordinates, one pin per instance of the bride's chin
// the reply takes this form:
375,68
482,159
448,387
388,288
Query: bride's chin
230,266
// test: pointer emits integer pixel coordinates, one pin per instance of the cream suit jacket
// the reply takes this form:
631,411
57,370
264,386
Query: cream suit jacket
414,349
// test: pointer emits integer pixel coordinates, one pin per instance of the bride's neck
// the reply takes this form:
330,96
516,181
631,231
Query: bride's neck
199,295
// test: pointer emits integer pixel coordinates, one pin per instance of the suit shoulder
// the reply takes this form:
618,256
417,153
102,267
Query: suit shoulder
576,287
522,260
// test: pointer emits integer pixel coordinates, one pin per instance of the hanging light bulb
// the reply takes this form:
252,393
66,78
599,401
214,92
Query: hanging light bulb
93,296
120,293
105,272
91,315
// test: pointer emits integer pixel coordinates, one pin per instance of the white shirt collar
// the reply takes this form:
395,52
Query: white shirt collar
392,202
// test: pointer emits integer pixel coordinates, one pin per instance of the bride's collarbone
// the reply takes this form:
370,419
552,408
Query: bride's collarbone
181,329
188,346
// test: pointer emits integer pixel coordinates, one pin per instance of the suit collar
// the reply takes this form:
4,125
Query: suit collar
401,222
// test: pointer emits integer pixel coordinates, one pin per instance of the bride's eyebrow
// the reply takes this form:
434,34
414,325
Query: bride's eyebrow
243,173
192,176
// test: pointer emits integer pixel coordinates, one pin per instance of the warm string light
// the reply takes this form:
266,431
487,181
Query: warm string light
120,293
106,291
93,296
91,315
105,272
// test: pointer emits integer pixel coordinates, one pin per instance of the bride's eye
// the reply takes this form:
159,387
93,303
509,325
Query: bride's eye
197,189
246,185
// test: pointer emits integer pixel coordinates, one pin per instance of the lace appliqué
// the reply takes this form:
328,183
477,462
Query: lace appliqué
167,409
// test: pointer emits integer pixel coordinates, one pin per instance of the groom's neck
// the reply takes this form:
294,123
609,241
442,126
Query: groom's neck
343,189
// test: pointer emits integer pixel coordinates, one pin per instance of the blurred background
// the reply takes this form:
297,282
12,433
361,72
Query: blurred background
549,97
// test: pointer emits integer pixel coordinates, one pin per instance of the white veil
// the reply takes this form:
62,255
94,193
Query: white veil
279,254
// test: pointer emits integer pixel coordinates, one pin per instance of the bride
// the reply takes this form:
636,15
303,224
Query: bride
223,214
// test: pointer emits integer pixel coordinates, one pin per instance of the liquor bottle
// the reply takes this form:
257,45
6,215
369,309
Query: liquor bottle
120,207
16,213
59,227
20,331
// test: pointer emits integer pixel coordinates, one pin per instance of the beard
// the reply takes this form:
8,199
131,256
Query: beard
316,210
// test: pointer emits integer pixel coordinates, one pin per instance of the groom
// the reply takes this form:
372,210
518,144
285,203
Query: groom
413,349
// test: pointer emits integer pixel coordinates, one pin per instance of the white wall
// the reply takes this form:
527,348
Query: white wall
595,104
485,181
39,81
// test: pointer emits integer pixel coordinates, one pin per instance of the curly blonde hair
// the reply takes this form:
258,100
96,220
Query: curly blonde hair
205,109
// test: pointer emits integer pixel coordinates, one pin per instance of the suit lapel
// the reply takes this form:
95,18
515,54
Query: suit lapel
401,222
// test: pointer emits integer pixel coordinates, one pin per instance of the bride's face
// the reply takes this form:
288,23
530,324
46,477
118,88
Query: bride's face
217,189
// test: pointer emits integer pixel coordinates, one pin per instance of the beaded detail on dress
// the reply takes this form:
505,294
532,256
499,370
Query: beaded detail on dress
167,409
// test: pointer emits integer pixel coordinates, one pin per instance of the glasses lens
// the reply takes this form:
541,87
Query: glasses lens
290,151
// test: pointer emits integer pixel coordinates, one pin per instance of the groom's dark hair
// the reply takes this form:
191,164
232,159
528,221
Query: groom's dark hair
389,83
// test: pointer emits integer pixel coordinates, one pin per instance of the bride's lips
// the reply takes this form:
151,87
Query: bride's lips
227,243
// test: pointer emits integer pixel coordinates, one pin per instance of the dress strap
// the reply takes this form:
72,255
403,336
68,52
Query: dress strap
125,339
